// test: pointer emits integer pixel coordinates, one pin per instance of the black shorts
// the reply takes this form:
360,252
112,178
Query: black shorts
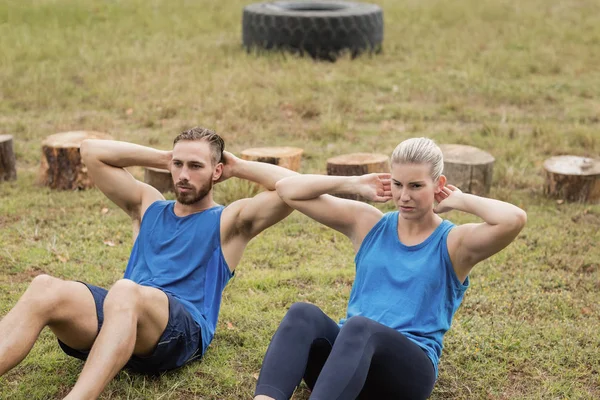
179,344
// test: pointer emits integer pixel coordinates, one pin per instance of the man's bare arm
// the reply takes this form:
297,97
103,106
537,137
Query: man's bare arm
246,218
106,161
252,216
264,174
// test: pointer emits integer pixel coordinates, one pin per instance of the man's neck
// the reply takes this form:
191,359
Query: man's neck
183,210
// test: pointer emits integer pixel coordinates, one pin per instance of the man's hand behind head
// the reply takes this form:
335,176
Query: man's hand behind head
230,161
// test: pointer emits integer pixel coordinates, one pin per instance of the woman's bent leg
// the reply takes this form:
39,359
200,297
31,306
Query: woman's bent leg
298,349
372,361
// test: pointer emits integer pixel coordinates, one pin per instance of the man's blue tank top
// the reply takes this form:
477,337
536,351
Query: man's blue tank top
412,289
182,256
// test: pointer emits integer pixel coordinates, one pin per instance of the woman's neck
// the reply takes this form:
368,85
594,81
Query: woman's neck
409,228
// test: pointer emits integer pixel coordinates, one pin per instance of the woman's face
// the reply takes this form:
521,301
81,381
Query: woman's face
413,189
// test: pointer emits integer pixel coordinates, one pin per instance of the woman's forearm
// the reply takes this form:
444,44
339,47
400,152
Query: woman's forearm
306,187
493,212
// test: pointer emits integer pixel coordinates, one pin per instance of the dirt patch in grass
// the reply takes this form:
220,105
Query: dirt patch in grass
24,276
6,220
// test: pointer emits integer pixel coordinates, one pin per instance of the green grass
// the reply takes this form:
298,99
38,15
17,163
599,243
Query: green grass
518,79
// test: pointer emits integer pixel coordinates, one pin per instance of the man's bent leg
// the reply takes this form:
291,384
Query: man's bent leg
134,318
66,307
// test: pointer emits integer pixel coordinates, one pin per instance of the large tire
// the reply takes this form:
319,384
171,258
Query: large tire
323,29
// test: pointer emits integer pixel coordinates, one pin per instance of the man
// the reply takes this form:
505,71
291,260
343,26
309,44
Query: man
163,314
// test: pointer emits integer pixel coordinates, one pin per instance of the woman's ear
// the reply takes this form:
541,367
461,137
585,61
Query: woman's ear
441,182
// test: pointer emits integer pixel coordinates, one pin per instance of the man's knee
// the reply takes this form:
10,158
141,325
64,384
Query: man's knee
43,282
45,292
124,295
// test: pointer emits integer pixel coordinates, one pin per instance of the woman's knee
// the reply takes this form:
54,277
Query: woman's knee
356,330
300,316
303,312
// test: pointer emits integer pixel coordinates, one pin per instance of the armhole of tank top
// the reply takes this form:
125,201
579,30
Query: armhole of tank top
369,236
151,206
456,283
219,244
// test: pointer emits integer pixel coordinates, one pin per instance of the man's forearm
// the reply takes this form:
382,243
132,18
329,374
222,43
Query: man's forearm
123,154
265,174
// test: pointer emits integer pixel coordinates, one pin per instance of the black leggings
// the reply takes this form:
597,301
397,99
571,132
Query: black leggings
362,360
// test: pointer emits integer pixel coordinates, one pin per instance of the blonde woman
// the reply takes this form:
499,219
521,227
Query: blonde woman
412,271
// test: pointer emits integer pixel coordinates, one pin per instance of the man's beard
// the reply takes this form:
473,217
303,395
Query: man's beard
193,196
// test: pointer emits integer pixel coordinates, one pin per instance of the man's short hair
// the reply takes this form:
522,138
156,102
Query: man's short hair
217,145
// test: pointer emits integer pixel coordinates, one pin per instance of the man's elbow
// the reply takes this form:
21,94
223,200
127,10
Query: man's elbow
86,150
520,219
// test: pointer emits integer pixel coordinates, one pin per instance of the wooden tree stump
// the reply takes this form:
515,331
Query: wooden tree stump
8,168
61,166
357,164
160,179
287,157
468,168
573,178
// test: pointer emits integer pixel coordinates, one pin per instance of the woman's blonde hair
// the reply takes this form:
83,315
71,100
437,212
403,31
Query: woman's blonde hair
420,151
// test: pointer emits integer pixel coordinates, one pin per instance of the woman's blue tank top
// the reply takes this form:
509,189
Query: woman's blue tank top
412,289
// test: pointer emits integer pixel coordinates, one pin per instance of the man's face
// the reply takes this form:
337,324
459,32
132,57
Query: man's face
193,171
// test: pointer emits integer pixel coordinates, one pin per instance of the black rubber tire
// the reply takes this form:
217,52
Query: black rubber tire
323,29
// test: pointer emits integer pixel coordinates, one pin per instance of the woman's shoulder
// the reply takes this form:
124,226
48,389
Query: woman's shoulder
447,225
390,215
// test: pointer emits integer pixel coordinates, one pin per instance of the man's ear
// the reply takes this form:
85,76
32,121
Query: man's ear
218,172
441,182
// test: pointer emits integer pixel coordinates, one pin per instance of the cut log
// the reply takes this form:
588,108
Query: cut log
468,168
8,168
287,157
573,178
357,164
160,179
61,166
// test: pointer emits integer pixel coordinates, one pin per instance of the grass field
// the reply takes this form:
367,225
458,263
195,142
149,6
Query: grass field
520,79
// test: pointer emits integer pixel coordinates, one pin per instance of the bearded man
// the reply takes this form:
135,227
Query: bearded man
164,311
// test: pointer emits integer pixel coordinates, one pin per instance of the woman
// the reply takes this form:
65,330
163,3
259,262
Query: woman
412,270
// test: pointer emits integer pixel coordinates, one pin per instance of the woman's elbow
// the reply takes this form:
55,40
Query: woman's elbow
283,189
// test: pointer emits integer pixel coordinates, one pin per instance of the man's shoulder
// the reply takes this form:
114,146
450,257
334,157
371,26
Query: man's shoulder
155,207
162,203
235,207
231,218
159,204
